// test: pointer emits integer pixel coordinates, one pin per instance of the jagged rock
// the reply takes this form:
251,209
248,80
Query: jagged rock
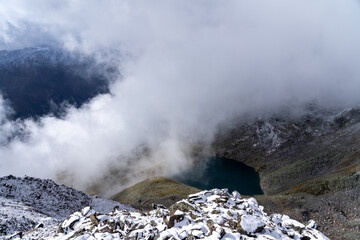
178,216
182,206
93,219
163,224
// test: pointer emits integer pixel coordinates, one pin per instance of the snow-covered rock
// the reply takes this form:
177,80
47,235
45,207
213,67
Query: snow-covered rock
15,215
27,202
213,214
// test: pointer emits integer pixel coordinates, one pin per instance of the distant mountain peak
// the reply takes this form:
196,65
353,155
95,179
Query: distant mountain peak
36,79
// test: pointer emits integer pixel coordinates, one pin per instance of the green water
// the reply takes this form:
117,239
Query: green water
222,173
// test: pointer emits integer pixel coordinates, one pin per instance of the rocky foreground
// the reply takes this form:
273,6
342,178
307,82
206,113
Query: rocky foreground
214,214
27,203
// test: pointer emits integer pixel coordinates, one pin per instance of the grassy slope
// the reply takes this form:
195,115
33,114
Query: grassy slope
157,190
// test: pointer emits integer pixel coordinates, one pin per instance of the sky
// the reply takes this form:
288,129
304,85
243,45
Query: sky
186,67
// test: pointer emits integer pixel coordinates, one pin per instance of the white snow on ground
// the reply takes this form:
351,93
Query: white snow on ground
26,202
213,214
16,215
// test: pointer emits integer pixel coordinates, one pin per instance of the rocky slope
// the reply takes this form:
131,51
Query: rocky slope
309,165
27,202
17,217
214,214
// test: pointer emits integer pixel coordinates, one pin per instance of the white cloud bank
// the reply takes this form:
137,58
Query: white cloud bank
189,66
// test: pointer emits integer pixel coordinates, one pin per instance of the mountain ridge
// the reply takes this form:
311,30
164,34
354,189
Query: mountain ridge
42,201
309,166
37,81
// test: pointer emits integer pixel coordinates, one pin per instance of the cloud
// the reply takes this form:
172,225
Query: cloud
189,66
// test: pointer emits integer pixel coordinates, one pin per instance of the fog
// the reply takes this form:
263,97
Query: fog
186,67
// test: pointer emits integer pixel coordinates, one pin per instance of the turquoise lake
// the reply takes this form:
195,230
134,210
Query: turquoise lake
222,173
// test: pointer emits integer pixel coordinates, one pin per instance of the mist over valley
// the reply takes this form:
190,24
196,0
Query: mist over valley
102,96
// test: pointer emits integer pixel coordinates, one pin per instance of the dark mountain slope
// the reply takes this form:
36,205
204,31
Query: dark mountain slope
309,166
36,81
